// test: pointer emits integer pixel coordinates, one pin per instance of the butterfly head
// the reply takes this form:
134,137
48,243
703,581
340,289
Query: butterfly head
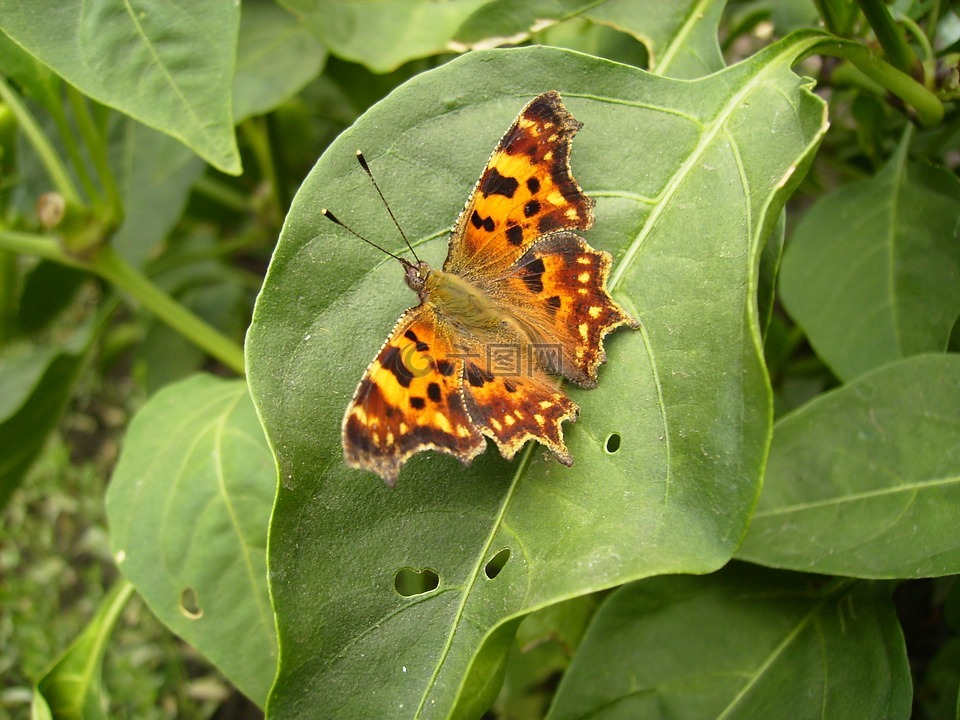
415,275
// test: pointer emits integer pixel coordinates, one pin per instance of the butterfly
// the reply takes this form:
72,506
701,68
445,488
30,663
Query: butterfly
520,300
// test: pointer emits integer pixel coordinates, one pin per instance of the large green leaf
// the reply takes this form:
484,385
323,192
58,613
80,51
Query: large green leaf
872,273
743,643
169,65
72,689
865,481
384,34
276,56
681,36
155,174
685,175
188,507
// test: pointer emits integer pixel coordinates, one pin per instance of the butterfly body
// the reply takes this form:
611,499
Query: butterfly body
520,299
456,299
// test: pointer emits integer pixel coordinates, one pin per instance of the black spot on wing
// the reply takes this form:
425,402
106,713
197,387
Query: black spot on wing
476,376
496,184
554,304
533,185
489,225
515,234
531,208
433,392
532,275
392,362
412,337
476,220
509,386
418,403
549,222
445,367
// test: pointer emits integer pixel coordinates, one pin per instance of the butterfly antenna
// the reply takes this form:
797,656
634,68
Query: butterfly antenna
366,168
333,218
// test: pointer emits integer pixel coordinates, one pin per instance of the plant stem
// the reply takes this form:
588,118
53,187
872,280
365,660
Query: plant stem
221,192
41,145
255,133
111,267
928,107
898,53
98,152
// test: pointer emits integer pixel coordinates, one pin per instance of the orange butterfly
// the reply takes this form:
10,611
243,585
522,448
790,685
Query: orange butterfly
519,298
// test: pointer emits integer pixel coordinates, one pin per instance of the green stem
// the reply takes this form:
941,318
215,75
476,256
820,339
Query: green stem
41,145
222,193
98,152
111,267
255,133
919,36
898,53
928,107
73,151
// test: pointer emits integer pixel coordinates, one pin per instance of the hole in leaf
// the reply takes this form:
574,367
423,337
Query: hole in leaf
190,604
496,563
613,443
410,582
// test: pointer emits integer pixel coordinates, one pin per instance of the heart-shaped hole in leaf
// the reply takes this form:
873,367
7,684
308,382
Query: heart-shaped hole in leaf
496,563
410,582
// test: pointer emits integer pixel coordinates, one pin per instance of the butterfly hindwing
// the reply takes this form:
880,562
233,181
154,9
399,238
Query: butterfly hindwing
410,400
561,284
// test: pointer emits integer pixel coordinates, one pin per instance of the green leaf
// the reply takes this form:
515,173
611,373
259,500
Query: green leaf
684,174
864,481
384,34
34,79
681,36
512,21
155,174
73,689
276,56
743,643
188,506
35,385
170,66
872,273
48,289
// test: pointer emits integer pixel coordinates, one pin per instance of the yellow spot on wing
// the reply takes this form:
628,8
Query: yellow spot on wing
508,420
584,277
539,418
594,311
584,329
496,424
440,420
544,404
583,260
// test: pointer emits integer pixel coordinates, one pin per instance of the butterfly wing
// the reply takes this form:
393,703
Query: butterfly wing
410,400
516,404
561,285
525,192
